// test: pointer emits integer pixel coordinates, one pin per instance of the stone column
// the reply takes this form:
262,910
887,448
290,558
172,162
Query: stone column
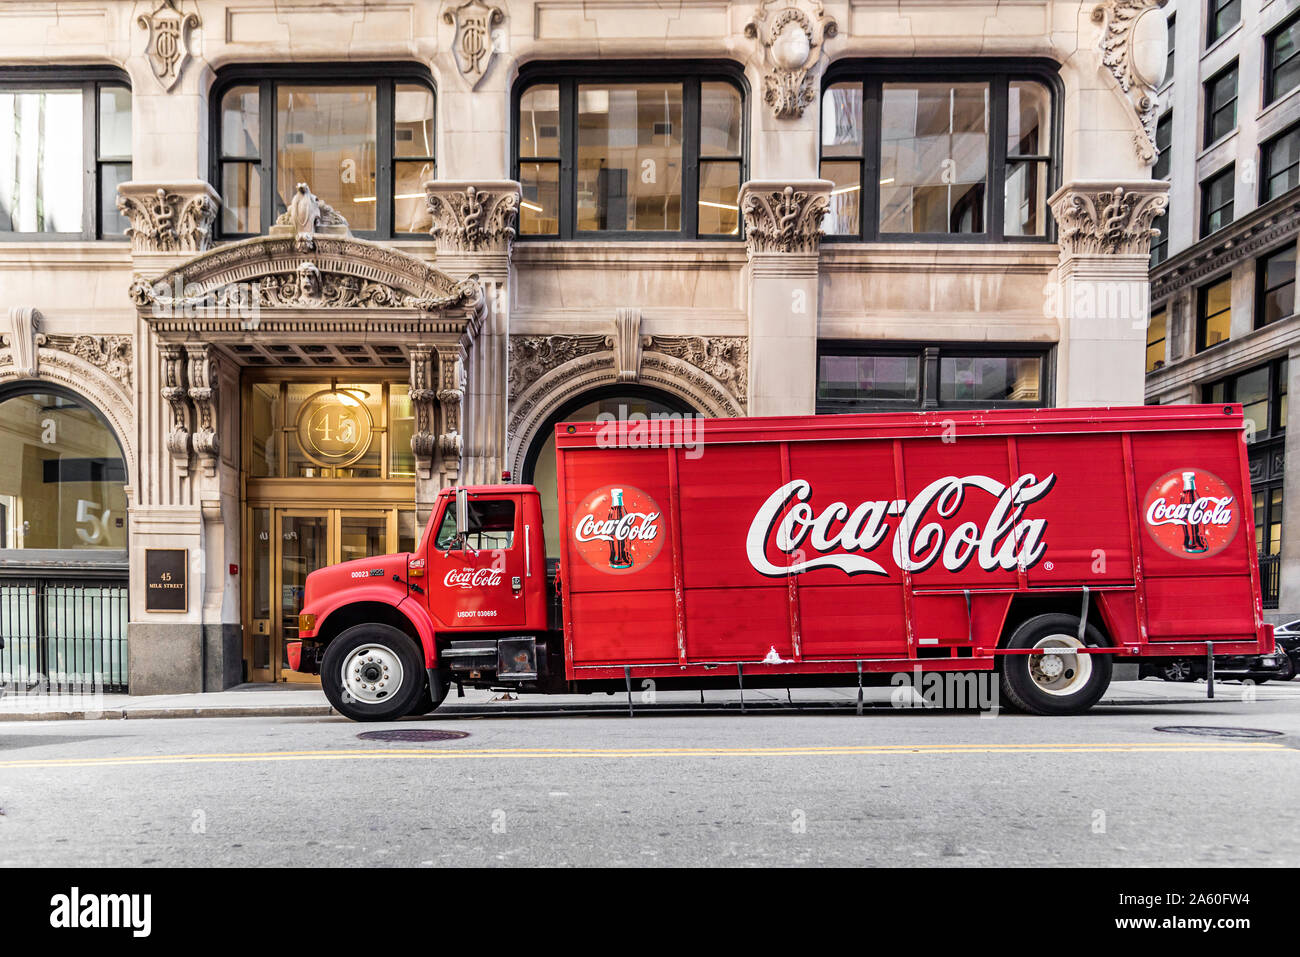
1288,606
1101,297
474,224
783,234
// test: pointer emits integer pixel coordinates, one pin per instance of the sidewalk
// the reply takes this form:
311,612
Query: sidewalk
263,700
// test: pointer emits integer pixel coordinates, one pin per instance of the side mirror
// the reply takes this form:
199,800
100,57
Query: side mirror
462,515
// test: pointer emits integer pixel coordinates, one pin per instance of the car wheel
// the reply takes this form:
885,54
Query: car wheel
1054,682
1287,671
372,672
1177,670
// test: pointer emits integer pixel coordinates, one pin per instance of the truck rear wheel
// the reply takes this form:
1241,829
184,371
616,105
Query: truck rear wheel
372,672
1054,683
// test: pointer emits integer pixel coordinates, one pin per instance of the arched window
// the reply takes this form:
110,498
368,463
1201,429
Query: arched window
361,137
62,475
614,400
630,151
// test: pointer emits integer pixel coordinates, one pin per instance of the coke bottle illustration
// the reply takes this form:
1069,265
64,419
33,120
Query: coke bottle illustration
618,553
1193,537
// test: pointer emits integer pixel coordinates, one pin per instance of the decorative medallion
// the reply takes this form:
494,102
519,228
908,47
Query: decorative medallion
474,48
169,41
791,38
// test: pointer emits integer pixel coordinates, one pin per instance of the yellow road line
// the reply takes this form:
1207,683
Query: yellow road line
790,751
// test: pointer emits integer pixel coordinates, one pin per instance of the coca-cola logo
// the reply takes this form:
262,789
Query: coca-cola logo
472,578
840,536
618,529
1191,513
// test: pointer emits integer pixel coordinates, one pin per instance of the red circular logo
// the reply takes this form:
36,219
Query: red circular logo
618,529
1191,513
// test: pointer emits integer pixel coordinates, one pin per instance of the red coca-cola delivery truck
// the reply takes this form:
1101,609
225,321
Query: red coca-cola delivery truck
1042,545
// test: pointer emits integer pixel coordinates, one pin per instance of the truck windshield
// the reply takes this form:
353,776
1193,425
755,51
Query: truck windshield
491,525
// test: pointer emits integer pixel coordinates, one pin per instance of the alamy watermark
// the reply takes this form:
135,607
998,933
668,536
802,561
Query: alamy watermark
654,430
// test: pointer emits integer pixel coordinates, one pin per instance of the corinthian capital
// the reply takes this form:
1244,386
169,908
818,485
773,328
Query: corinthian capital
784,217
473,217
1108,218
169,217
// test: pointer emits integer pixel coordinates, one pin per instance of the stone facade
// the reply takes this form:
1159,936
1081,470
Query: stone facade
500,330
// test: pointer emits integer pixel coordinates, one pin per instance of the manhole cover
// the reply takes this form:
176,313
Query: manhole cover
412,734
1211,732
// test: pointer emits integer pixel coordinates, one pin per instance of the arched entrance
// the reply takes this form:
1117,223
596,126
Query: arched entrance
63,541
617,400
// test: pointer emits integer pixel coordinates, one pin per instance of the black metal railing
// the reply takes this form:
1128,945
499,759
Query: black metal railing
64,636
1270,578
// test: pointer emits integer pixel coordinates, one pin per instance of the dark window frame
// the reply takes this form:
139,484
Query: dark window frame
1262,290
1271,93
1164,339
998,72
1208,116
1212,34
384,76
1170,30
930,354
1265,151
1276,421
567,75
90,79
1203,317
1229,173
1160,170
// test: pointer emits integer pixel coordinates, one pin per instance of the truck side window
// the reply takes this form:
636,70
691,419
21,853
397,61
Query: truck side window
491,526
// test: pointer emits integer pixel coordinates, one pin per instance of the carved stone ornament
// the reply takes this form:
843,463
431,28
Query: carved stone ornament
531,357
784,218
24,337
306,217
167,219
112,354
791,38
172,368
474,47
169,41
201,374
1134,48
469,218
1102,218
725,358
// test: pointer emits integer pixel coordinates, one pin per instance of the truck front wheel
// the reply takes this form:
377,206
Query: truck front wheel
1052,681
372,672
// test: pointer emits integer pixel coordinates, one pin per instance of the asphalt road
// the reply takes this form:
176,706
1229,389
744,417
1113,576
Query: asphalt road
721,788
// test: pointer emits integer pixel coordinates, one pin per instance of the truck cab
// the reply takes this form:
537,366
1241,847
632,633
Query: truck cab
471,605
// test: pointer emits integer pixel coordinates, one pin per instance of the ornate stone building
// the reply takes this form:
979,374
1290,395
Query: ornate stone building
275,274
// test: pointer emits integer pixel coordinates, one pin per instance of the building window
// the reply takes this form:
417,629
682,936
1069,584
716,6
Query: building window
969,156
1169,47
65,145
1262,394
1281,161
1282,65
656,156
1214,314
857,377
1223,16
365,146
1275,274
1157,332
1216,201
1221,104
1164,157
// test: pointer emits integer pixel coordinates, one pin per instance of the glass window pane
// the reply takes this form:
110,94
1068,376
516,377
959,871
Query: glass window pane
1024,210
412,121
325,137
240,122
1156,332
408,530
1224,15
410,209
264,424
539,204
842,120
629,157
868,379
41,177
719,120
1281,163
62,476
1029,119
989,378
114,122
539,121
719,198
401,426
843,218
1279,286
332,430
111,223
241,198
1251,390
1216,314
934,157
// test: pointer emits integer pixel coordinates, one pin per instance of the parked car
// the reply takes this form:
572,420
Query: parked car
1288,640
1278,666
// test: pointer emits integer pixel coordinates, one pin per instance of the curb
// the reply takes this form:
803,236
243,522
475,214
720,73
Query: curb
122,714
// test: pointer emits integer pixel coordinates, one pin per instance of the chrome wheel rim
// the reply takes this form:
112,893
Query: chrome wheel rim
372,674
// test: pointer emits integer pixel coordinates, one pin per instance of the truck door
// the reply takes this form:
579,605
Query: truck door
478,585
